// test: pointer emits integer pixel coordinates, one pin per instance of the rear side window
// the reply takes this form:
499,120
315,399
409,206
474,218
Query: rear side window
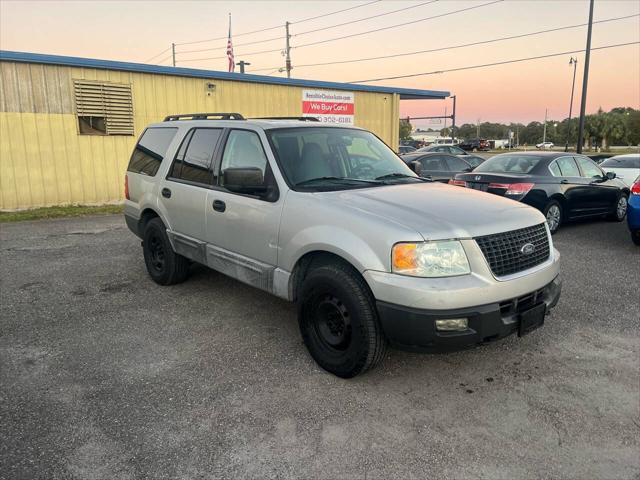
151,150
194,159
589,169
568,167
433,163
455,164
555,169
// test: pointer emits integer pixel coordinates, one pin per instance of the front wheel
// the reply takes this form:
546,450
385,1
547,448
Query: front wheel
553,213
621,209
339,322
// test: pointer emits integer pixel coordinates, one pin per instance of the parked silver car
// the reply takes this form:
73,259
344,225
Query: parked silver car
330,218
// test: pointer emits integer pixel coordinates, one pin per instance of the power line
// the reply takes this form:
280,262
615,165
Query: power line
280,26
457,69
157,55
363,19
237,55
397,25
333,13
452,47
314,30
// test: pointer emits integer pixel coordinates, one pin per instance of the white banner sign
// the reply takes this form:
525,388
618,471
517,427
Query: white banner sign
329,106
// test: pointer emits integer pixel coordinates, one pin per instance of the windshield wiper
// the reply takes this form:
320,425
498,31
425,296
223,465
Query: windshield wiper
337,180
402,175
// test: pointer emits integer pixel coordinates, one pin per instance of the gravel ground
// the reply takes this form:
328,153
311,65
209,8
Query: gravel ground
105,375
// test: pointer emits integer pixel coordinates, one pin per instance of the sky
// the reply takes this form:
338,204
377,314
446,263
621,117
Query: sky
141,31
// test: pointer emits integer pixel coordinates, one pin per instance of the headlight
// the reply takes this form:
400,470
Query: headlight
430,259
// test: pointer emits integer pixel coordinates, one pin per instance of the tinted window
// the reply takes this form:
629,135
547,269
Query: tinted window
589,169
555,169
434,163
457,151
509,164
568,167
150,150
456,165
627,161
193,162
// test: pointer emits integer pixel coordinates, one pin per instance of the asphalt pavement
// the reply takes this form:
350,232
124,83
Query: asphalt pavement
106,375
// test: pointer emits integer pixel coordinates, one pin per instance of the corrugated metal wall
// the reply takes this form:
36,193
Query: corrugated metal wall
45,161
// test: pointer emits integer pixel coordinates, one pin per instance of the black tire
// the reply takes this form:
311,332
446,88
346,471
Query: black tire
616,215
635,237
553,206
339,322
165,267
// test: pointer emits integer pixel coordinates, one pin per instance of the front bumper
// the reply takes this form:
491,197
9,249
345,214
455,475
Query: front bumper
414,329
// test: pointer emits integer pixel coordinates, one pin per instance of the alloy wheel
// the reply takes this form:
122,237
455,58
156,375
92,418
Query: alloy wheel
553,217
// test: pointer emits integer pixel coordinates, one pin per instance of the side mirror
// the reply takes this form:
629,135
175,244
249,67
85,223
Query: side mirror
249,180
416,167
610,175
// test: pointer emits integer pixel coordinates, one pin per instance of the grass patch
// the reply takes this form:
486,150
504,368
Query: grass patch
59,212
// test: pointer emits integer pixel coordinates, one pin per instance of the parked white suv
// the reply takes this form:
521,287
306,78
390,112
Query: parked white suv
330,218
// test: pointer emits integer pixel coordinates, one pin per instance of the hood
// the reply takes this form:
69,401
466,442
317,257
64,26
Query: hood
438,211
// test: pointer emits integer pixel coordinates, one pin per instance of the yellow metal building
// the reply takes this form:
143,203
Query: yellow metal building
68,125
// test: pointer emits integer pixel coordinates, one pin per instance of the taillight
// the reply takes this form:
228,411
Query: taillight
635,188
513,188
457,183
126,187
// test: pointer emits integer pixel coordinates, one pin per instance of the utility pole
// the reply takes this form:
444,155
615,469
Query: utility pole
478,129
445,117
585,79
544,130
242,64
453,121
173,53
574,62
287,64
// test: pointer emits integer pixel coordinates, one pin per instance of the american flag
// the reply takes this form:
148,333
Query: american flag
232,62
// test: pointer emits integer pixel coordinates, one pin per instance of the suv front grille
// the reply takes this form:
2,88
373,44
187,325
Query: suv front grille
504,251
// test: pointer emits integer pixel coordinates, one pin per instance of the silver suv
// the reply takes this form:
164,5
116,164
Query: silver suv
330,218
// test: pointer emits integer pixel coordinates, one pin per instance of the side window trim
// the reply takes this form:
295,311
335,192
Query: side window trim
580,169
187,138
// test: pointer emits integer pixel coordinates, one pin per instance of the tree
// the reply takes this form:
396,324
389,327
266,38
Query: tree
405,130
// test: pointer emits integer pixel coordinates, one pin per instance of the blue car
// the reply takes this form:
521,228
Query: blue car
633,212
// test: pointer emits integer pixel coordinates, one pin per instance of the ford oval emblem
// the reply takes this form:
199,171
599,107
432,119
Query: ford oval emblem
528,249
478,177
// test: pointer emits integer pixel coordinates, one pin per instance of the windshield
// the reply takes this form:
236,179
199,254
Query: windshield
336,158
509,164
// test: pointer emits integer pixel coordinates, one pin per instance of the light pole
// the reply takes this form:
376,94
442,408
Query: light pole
574,62
585,79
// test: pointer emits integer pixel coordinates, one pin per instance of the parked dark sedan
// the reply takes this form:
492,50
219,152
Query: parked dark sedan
563,186
473,160
476,145
402,149
441,167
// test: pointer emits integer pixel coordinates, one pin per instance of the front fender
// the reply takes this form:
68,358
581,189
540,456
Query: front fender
338,241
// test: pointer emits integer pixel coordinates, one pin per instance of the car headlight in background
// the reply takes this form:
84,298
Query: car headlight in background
430,259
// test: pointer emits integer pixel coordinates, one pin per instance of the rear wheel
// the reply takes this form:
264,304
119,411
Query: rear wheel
553,213
621,209
165,266
339,322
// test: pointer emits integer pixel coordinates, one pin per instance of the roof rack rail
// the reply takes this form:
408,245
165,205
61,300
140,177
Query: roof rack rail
204,116
303,119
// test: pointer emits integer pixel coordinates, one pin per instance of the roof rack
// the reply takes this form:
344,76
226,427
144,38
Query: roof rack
204,116
303,119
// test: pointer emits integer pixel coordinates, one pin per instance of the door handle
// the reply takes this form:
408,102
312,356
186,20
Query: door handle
219,206
166,193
